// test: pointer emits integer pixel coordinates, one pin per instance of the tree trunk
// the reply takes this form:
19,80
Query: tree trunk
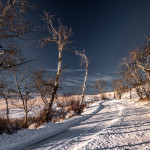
139,93
7,109
146,92
149,90
7,105
102,94
49,112
119,96
26,113
24,101
83,91
114,95
26,118
130,93
105,92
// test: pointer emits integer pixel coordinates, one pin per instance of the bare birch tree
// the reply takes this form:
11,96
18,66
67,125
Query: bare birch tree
12,59
85,62
23,90
59,35
101,85
134,75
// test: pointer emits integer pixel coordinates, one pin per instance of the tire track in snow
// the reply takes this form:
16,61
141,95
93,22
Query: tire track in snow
44,139
125,134
117,126
80,136
105,125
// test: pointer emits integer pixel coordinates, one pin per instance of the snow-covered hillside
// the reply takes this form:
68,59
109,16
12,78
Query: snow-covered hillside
109,124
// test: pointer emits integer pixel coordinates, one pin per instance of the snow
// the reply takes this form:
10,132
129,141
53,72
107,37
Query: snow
109,124
16,112
26,137
118,125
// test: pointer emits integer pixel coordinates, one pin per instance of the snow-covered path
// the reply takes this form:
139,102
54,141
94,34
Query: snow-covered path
119,125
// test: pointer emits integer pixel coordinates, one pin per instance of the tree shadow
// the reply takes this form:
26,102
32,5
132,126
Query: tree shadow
83,131
125,146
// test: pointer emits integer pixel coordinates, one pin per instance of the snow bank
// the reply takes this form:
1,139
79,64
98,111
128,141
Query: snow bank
27,137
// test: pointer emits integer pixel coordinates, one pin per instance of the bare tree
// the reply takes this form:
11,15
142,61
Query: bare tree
12,22
120,87
126,77
114,88
135,71
85,62
11,58
44,87
59,35
133,75
23,90
6,91
101,85
142,59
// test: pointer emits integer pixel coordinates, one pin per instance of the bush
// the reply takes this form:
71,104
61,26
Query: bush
39,119
9,127
13,125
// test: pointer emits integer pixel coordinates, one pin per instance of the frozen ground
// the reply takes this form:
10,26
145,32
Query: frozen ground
110,124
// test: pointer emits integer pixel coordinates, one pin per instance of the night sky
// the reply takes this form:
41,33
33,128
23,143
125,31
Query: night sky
106,29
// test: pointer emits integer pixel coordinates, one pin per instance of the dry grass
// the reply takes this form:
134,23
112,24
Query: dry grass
10,126
17,103
69,108
143,100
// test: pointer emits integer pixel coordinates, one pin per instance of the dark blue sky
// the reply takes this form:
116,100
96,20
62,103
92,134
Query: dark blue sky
106,29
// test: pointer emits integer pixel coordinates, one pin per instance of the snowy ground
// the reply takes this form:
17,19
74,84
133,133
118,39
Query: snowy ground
110,124
27,137
15,112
